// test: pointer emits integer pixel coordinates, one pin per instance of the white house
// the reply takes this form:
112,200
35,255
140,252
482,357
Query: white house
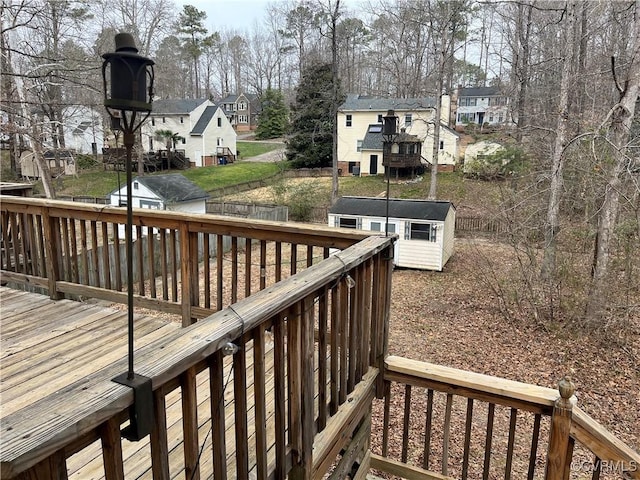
83,131
206,131
482,105
359,114
425,228
475,154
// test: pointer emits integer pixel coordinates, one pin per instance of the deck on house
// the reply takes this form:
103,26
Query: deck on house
53,351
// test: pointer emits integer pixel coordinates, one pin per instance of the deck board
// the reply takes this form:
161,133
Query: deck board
74,342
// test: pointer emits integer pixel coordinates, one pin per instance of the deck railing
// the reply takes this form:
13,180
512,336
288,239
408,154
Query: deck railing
78,249
275,385
477,426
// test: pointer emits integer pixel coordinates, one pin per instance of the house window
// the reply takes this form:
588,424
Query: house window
468,102
422,231
344,222
150,144
349,120
441,144
184,140
407,119
242,119
218,142
181,119
491,118
164,120
242,106
500,118
379,118
359,146
219,121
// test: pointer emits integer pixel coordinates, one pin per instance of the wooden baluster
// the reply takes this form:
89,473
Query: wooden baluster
158,438
234,269
190,423
65,240
559,445
219,270
406,423
52,233
386,418
352,322
344,339
294,365
488,441
105,255
294,258
333,345
53,467
151,254
447,434
138,253
263,264
86,280
427,430
309,255
112,450
259,383
367,342
173,256
240,407
95,277
163,264
247,267
216,399
280,414
206,266
74,251
278,272
185,273
117,257
322,358
22,241
512,438
42,266
534,446
467,439
4,251
597,468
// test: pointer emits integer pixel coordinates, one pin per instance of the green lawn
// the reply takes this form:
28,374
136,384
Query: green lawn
252,149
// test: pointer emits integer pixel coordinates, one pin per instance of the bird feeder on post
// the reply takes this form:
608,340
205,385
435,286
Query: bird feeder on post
128,94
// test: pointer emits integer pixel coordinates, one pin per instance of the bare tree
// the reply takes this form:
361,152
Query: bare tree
619,121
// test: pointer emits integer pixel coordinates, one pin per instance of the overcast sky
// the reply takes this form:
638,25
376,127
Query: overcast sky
232,14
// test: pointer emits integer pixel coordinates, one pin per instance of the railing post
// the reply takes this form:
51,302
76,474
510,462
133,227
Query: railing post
558,459
385,307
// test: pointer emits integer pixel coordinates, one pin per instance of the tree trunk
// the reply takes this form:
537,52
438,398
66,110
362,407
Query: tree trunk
433,186
43,165
336,92
552,225
621,117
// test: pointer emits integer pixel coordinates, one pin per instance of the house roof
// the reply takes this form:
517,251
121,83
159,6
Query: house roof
204,120
479,92
398,208
373,140
176,106
172,187
355,102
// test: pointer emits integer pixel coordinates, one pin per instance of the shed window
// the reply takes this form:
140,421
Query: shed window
348,222
375,226
422,231
135,185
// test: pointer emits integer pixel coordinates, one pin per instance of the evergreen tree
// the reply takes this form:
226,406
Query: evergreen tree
312,120
273,118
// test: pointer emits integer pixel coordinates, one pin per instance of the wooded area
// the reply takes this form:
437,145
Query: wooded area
571,70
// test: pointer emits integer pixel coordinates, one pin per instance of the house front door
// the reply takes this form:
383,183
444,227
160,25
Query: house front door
373,164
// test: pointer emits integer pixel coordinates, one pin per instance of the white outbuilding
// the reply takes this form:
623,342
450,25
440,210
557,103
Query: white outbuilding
425,228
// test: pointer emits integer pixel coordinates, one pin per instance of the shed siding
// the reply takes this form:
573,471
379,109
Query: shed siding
419,254
448,233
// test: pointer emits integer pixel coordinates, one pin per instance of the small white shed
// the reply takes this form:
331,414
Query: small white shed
425,228
163,192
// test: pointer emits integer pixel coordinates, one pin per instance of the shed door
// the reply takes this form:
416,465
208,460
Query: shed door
373,164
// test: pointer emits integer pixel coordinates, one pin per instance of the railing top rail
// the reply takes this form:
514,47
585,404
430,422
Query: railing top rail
495,386
93,400
317,235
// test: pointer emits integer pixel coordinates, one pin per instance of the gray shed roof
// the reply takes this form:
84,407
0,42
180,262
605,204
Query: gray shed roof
176,106
367,102
479,92
398,208
172,187
203,121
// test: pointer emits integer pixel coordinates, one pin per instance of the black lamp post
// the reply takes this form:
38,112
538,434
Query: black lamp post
127,97
389,134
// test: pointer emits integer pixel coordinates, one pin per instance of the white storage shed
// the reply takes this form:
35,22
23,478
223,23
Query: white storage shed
425,228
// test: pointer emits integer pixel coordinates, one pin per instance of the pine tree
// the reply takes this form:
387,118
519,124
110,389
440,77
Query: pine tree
273,118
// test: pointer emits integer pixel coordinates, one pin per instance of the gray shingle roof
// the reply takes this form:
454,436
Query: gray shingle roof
398,208
203,121
176,106
373,140
479,92
366,102
172,187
